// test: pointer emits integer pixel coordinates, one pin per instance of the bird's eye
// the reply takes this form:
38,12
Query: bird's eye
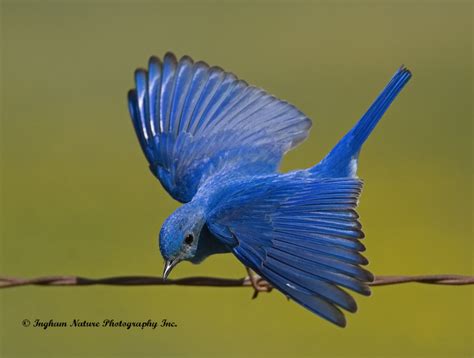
188,240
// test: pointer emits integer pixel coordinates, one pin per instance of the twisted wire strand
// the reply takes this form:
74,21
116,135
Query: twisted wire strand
8,282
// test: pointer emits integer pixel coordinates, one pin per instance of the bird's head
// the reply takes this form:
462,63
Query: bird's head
179,236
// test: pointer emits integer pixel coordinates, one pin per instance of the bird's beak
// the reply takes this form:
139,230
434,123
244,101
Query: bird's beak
169,264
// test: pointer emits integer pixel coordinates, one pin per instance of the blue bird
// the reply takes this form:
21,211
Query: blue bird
215,144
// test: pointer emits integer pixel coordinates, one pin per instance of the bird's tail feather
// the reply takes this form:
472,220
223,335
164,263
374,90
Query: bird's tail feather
342,160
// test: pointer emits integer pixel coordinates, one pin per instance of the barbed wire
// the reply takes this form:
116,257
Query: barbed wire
258,283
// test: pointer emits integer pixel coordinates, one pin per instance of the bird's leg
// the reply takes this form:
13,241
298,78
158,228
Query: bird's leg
253,281
258,283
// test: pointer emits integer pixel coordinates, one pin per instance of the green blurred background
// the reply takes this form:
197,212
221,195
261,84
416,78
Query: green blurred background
77,196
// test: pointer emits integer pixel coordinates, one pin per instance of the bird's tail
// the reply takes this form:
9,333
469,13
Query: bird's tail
342,160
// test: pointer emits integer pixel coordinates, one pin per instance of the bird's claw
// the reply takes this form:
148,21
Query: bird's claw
258,283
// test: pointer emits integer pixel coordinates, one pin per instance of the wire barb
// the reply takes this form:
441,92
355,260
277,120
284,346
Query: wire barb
6,282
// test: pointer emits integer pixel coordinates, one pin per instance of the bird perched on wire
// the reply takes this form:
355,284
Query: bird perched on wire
215,144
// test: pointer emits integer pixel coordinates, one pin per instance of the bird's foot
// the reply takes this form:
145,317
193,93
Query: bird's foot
258,283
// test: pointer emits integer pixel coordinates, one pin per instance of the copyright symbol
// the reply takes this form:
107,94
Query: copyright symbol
26,323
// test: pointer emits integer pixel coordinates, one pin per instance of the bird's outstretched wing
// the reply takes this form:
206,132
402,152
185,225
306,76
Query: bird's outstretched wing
302,235
193,120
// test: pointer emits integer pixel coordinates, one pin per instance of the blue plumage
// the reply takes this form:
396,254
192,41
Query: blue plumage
194,121
215,144
342,159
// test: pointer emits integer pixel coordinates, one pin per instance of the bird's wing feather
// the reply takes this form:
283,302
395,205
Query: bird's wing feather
193,121
301,234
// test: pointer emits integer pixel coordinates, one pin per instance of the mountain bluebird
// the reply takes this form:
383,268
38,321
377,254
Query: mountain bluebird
215,144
